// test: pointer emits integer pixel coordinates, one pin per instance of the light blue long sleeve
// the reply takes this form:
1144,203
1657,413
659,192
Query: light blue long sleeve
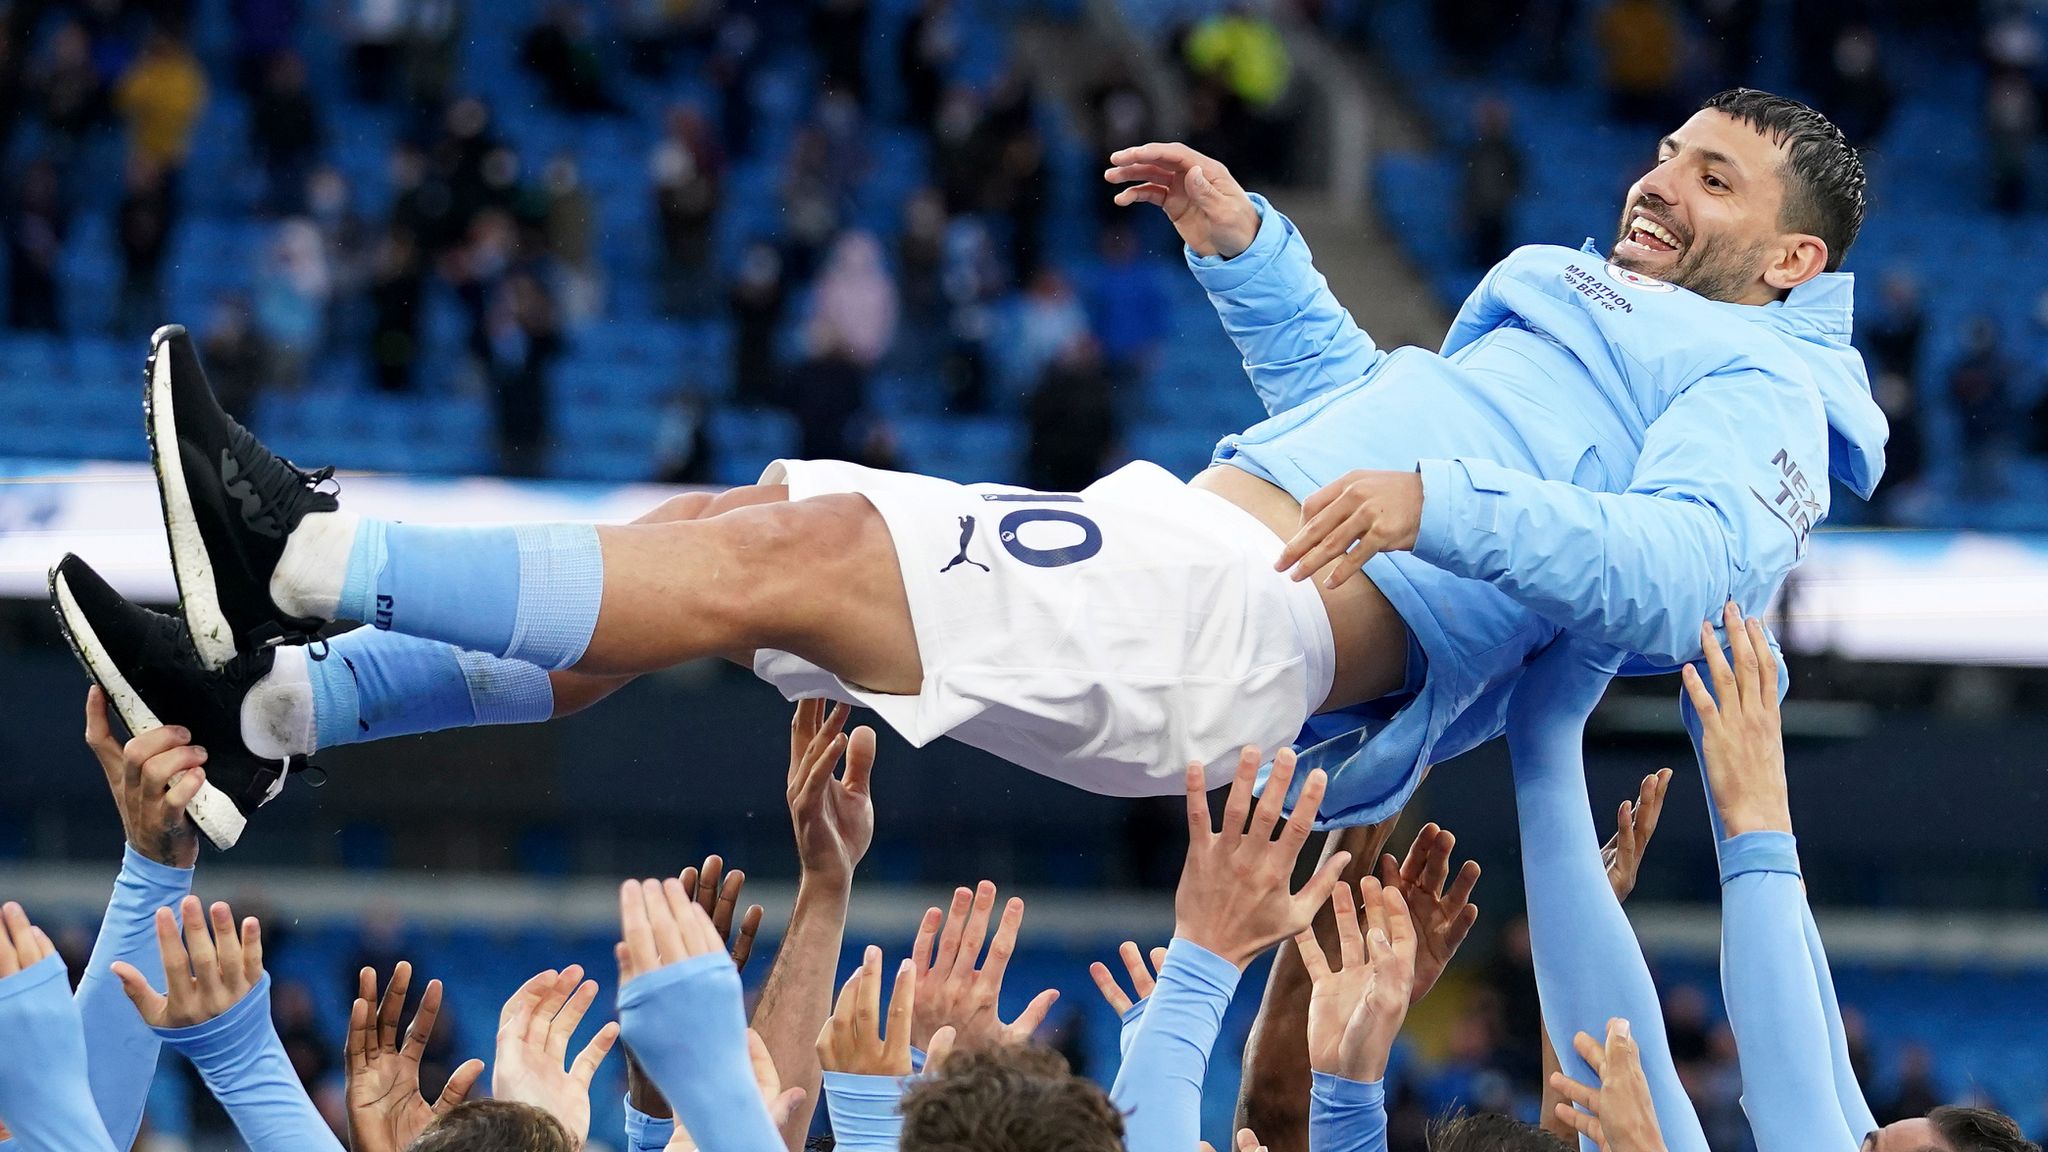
1589,965
1346,1115
1159,1085
1127,1027
866,1111
239,1056
1296,339
44,1095
1773,999
122,1050
646,1133
686,1024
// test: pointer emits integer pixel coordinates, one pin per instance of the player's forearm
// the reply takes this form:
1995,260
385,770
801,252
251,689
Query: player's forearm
1547,1119
1346,1115
239,1056
44,1094
686,1024
1773,999
1296,339
1589,966
1159,1085
866,1111
1856,1111
121,1050
798,997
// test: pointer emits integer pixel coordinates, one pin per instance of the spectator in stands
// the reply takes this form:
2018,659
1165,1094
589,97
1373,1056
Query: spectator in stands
525,341
839,38
36,226
1730,31
1642,49
350,244
264,29
1072,420
162,95
236,360
758,296
688,176
1980,387
852,325
731,71
65,83
924,59
812,194
1049,320
682,442
973,279
1915,1093
285,132
1892,342
397,280
143,224
1128,307
292,294
1855,90
1246,72
1119,111
1493,182
14,94
571,225
373,33
1892,338
921,266
2012,123
562,53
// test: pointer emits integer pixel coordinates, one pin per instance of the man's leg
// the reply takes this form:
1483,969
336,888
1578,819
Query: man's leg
1273,1091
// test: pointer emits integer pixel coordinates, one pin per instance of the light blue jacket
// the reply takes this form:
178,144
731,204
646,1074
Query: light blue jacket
1601,453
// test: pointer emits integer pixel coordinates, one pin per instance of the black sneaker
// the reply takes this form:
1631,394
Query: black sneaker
144,662
229,505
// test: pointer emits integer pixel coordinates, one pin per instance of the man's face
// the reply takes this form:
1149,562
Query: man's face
1706,217
1906,1136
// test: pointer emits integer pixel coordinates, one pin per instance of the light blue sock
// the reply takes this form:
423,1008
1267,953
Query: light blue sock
524,592
373,685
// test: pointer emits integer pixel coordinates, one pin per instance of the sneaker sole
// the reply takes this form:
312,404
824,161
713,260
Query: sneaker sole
216,815
198,598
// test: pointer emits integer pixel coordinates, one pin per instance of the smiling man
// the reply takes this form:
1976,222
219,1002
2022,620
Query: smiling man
1610,446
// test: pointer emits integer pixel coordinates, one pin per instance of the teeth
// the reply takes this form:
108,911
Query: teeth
1645,224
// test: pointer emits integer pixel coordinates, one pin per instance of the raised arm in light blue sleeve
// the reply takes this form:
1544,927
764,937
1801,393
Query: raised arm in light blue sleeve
1296,340
1704,520
239,1056
1589,965
1773,999
1159,1085
1346,1115
646,1133
44,1094
686,1024
121,1050
866,1111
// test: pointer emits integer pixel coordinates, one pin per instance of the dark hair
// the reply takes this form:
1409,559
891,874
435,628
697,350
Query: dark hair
1009,1098
1980,1130
494,1126
1824,179
1489,1132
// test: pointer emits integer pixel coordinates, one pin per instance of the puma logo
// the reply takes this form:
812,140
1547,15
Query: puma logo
966,538
241,490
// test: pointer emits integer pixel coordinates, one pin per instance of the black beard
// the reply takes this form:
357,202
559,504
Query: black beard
1716,270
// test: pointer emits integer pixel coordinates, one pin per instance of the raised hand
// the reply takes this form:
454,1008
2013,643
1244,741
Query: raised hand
721,900
207,973
1205,203
952,991
1352,519
1739,727
1617,1114
659,924
1233,897
152,778
1442,918
386,1111
834,814
1635,823
1142,976
856,1039
534,1029
1355,1010
22,944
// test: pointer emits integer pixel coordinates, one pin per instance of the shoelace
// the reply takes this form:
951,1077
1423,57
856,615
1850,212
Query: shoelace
284,489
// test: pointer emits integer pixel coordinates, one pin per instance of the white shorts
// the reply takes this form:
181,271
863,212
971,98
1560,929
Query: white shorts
1105,639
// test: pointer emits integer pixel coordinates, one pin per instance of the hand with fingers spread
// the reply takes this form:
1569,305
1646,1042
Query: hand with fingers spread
1356,1009
1233,898
1635,823
207,973
1617,1114
534,1029
833,812
1740,735
1350,520
386,1111
1143,969
951,990
43,1084
1442,917
153,777
718,893
1208,208
855,1039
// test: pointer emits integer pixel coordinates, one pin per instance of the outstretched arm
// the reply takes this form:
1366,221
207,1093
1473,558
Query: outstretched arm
1589,966
1790,1088
43,1089
1296,339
